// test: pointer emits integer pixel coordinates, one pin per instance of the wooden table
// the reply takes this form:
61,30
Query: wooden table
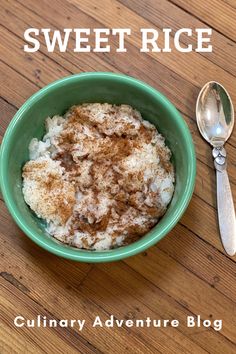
187,273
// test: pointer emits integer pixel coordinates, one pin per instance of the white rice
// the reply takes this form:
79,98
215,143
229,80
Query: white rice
91,190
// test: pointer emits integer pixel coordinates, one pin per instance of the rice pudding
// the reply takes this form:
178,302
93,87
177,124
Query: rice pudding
101,177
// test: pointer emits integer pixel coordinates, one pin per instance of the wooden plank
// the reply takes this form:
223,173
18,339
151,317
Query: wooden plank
7,111
158,74
57,339
231,3
82,308
11,229
202,220
12,343
67,277
134,309
179,95
180,91
10,82
164,14
206,262
19,24
36,71
125,281
169,276
176,61
217,14
44,8
53,291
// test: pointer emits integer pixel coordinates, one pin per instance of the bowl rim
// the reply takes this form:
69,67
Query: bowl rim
121,252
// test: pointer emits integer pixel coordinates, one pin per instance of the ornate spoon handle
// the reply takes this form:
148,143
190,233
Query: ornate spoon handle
225,205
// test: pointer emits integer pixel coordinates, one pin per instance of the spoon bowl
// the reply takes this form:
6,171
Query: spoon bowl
215,114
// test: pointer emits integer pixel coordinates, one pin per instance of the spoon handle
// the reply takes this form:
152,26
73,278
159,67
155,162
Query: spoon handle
225,205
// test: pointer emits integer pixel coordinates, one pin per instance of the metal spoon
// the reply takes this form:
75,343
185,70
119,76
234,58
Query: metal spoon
215,120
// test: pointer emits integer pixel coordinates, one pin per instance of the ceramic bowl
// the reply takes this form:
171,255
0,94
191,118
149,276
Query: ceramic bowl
56,98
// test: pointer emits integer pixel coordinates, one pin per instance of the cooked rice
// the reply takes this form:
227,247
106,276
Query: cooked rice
101,177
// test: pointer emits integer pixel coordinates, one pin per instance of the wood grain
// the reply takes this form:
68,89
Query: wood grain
231,3
217,14
160,16
187,273
41,339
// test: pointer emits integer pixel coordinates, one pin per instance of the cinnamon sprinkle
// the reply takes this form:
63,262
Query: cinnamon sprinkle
103,180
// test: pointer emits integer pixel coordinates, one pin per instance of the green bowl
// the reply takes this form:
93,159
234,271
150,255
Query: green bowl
56,98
